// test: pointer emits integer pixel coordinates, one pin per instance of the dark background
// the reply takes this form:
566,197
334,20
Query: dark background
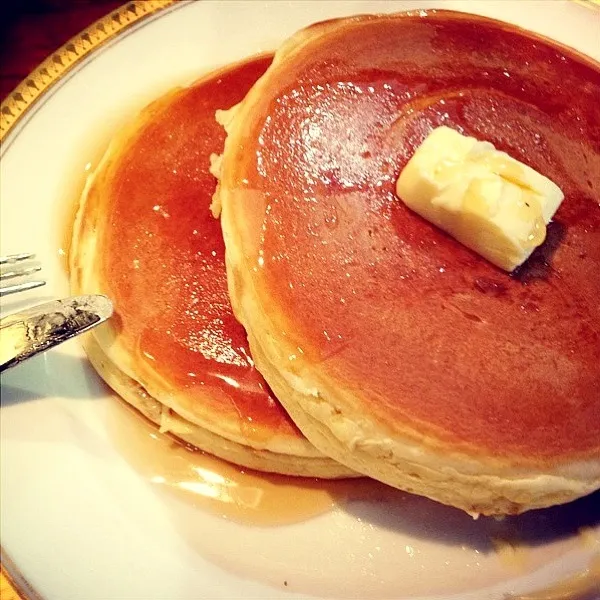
31,30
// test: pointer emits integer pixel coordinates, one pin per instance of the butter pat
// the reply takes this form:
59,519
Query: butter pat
487,200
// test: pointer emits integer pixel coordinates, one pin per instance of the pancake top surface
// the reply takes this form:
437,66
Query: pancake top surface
163,259
430,335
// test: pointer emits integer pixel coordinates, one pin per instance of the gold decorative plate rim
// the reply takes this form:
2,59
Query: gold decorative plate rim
14,582
61,62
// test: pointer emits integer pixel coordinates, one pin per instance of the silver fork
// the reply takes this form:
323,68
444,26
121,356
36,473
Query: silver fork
18,267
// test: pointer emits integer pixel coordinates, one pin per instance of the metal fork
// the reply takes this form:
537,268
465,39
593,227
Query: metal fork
19,268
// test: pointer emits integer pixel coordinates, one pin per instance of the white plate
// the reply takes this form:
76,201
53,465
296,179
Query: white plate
78,521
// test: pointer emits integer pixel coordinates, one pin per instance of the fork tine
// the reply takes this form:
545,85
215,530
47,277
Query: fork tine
20,287
20,267
19,272
13,258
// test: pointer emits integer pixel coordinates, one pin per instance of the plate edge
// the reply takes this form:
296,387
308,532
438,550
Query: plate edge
61,62
13,577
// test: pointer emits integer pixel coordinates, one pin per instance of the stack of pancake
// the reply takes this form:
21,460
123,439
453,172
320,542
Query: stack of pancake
145,236
396,352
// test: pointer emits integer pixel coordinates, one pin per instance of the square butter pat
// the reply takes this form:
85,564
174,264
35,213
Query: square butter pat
487,200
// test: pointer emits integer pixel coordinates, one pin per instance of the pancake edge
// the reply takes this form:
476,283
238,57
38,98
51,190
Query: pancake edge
282,454
475,482
170,422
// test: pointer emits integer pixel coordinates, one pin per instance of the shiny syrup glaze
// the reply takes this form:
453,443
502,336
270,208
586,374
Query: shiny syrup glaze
222,488
391,304
381,528
163,260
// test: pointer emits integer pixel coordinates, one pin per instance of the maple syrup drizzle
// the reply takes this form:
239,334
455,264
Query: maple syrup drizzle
225,489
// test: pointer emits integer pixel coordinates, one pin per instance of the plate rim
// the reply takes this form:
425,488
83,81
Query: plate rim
35,87
61,62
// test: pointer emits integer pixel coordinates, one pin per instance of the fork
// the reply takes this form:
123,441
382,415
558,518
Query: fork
18,267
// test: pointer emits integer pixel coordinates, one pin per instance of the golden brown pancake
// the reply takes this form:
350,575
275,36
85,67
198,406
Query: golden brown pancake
394,348
145,237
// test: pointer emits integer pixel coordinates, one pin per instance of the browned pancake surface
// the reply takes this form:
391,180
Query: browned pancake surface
162,259
428,334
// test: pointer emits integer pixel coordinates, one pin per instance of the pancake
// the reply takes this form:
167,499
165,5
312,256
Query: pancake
145,237
395,349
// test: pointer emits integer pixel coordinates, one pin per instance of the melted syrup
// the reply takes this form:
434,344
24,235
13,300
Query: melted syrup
160,257
372,531
227,490
358,282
